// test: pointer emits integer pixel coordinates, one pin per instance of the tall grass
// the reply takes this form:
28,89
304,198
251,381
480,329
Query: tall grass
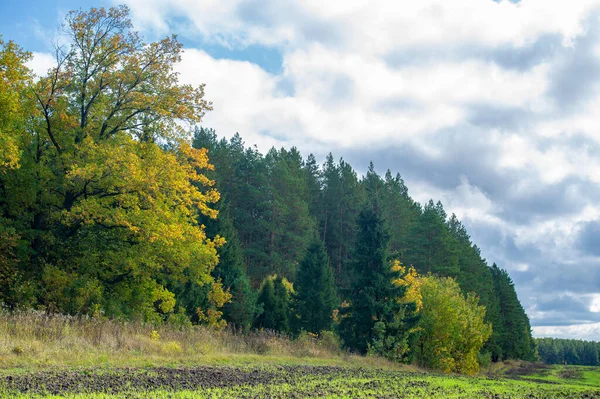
37,339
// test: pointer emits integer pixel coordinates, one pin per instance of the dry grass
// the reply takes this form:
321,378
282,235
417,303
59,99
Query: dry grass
33,339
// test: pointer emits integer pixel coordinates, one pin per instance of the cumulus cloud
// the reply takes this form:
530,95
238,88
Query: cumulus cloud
40,63
588,331
489,106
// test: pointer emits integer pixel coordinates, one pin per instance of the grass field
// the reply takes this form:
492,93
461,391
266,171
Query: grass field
43,356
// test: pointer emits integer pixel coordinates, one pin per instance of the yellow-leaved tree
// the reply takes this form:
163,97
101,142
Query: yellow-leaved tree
451,328
16,107
15,101
110,190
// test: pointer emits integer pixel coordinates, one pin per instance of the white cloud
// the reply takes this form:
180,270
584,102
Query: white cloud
595,303
371,26
589,331
40,63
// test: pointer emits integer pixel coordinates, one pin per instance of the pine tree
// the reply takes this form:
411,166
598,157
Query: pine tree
517,342
314,183
431,246
399,213
289,221
315,297
343,197
476,277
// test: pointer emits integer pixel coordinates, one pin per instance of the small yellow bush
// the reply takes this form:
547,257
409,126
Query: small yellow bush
172,348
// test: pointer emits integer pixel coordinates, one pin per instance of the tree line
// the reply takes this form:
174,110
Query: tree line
568,351
111,207
279,202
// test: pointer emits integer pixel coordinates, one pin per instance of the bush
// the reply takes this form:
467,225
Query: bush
329,341
484,359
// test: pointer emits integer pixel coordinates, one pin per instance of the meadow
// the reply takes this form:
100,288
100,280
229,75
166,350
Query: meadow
57,356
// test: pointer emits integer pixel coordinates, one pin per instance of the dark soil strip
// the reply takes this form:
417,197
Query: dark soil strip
123,380
120,380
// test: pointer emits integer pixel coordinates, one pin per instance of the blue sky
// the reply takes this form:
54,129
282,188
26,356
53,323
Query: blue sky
489,106
32,22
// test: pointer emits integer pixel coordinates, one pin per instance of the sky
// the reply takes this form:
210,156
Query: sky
489,106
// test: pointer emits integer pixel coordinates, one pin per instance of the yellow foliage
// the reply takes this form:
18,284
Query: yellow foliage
217,297
412,280
453,327
172,348
165,299
15,102
289,286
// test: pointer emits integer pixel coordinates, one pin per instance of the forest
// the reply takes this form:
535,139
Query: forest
116,202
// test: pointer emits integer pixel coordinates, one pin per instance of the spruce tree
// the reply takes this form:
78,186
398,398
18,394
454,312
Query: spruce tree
242,308
268,302
282,310
374,320
274,299
315,297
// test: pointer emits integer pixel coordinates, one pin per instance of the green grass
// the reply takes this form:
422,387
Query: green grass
578,375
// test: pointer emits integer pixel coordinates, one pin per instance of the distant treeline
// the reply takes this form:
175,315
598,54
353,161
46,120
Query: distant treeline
568,351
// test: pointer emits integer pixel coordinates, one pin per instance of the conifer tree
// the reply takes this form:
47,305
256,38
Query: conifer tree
314,183
373,320
267,302
315,297
431,246
343,197
476,277
399,212
517,342
274,298
242,308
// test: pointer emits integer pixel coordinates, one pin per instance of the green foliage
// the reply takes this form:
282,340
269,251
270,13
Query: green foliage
241,310
268,197
399,213
475,276
315,298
